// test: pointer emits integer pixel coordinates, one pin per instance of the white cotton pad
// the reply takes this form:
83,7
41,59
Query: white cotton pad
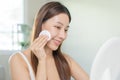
45,32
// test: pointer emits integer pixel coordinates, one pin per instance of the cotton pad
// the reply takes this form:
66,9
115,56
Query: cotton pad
45,32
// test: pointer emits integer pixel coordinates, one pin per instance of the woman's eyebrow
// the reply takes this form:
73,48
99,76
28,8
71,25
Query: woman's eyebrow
62,24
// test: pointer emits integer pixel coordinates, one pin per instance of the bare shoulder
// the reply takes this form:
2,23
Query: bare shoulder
16,58
13,57
68,58
76,70
71,60
66,55
18,67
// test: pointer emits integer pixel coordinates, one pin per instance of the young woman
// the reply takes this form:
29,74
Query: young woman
43,60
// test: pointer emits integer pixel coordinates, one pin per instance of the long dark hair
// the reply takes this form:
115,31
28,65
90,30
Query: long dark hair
48,11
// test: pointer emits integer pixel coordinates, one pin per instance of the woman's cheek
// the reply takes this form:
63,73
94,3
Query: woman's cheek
53,34
66,35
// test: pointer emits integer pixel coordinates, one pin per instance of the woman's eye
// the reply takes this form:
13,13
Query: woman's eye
66,30
58,27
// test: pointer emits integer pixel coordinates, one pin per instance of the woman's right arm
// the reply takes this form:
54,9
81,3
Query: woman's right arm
41,71
18,67
37,47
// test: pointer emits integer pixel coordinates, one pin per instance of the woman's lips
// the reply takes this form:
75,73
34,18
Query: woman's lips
57,42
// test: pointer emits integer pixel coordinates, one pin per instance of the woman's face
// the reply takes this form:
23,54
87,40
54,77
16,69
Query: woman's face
57,26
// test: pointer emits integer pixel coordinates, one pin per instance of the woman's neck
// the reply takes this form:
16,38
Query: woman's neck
49,52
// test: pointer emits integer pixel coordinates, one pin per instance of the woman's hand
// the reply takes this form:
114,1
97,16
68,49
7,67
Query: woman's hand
37,47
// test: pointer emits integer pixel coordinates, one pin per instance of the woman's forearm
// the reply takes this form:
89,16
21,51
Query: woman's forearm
41,71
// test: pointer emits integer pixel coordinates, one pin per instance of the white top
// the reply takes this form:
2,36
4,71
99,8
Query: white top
32,76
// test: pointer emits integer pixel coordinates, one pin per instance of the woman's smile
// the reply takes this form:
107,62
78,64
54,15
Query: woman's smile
57,42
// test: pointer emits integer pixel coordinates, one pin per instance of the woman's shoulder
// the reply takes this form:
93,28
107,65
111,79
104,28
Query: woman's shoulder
15,57
18,57
66,55
68,58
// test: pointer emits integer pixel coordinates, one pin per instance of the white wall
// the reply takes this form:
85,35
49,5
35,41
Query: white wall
93,22
31,8
4,57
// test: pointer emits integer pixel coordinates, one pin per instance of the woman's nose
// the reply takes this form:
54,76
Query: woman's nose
62,34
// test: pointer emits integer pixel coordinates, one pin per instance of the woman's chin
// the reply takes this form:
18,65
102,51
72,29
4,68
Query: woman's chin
54,48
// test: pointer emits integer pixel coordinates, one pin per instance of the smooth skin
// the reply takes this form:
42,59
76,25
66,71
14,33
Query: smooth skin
42,48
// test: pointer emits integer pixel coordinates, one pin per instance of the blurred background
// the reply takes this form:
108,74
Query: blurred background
93,23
